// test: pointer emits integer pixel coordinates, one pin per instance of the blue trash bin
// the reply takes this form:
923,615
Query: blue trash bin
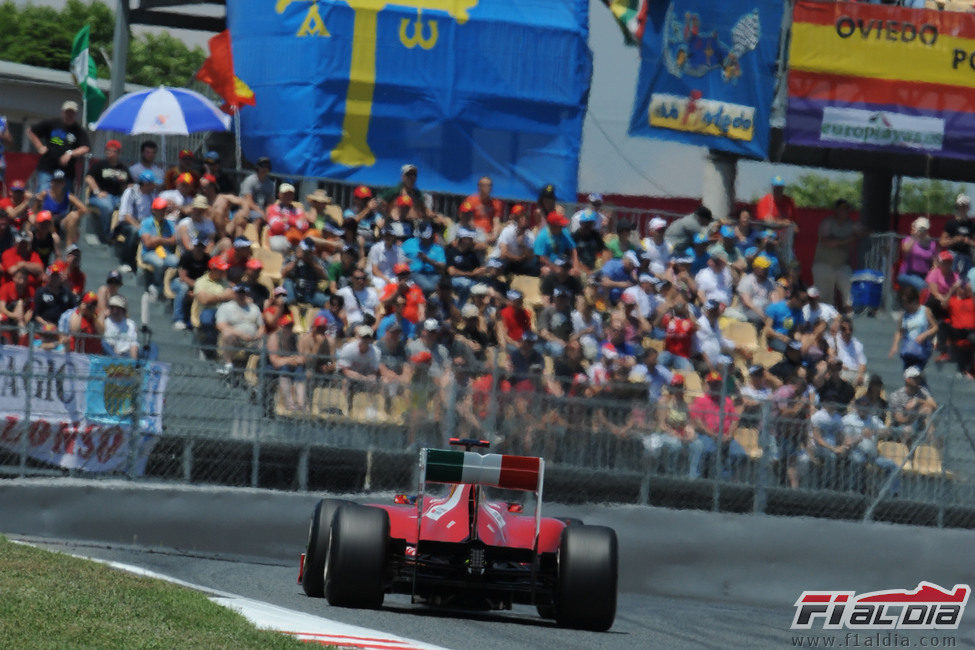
866,290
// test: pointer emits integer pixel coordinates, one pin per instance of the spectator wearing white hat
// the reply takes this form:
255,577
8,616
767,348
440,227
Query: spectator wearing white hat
917,255
645,295
715,280
958,235
61,142
910,406
821,316
592,210
831,266
656,247
198,225
119,336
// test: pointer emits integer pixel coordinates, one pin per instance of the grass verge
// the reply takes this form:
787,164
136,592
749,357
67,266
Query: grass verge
51,600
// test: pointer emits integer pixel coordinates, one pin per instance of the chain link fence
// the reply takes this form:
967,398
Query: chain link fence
287,428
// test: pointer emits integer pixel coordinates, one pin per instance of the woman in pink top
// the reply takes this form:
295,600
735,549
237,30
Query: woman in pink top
917,254
940,280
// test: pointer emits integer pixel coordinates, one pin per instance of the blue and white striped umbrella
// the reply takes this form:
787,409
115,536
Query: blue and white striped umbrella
163,111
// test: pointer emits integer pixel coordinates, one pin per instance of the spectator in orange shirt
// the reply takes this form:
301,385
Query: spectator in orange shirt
415,308
488,211
775,207
85,326
961,320
20,255
513,321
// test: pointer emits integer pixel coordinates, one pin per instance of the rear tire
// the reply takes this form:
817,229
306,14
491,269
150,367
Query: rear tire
316,553
355,574
585,595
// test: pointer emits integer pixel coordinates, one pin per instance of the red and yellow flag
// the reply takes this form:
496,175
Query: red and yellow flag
218,73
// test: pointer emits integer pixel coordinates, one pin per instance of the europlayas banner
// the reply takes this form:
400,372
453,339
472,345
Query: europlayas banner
353,89
707,74
874,77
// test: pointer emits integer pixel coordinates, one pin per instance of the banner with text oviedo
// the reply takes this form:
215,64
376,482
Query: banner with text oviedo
77,411
875,77
707,73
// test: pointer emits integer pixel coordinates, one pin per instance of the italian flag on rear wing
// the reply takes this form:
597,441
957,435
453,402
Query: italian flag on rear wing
510,472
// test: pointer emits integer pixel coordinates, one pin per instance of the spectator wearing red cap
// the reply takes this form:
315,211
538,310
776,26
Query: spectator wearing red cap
404,287
21,255
316,347
516,244
240,326
291,213
303,271
185,164
365,211
53,298
465,223
85,327
274,309
210,291
61,142
941,278
16,305
158,245
258,291
20,202
106,180
715,423
45,240
401,210
554,240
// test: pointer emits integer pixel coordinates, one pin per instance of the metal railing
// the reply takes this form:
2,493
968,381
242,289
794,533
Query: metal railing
603,443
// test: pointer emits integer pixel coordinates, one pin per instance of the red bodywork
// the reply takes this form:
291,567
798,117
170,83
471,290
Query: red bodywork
448,519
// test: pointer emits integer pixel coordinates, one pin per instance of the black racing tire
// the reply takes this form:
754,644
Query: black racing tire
585,595
355,570
313,576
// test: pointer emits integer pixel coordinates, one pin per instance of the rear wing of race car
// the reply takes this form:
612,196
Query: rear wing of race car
498,470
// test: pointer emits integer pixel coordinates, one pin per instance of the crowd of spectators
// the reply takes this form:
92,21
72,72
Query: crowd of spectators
385,294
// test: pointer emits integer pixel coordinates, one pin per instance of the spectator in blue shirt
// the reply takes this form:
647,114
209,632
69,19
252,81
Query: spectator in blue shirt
782,319
618,274
158,244
698,253
555,241
426,257
407,329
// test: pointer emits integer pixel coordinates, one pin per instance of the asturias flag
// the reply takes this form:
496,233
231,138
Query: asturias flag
84,72
354,89
218,73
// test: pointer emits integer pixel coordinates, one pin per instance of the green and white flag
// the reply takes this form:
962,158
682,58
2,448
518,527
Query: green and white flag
84,72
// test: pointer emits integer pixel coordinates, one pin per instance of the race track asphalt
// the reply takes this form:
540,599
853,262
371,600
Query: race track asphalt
642,621
687,579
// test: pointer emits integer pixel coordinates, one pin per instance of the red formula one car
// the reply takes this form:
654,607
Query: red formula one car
466,550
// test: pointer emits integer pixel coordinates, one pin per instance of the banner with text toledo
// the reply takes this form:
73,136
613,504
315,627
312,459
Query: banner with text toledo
707,74
353,89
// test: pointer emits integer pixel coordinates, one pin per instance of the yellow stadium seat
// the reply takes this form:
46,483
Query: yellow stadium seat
167,280
742,333
250,231
272,262
692,382
927,461
767,358
530,287
748,438
895,451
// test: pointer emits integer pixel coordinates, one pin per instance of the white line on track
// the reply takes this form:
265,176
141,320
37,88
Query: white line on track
305,627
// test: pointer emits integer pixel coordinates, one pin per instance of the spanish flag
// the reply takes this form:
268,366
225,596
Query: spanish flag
218,73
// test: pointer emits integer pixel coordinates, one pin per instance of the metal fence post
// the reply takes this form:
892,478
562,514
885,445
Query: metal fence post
764,440
450,408
29,388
